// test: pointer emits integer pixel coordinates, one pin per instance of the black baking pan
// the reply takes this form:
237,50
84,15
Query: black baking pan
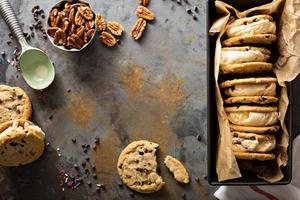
212,127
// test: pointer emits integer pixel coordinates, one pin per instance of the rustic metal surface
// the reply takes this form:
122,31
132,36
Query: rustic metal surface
152,89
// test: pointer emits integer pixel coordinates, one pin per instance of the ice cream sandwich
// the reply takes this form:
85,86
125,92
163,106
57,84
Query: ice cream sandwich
265,86
251,142
244,60
257,116
255,30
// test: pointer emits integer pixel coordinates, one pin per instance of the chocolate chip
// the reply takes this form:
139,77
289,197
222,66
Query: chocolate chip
141,153
235,135
89,183
8,42
241,41
94,175
98,189
189,11
74,140
195,17
83,164
13,144
197,179
179,2
120,185
76,166
252,138
87,158
96,140
199,138
51,117
3,54
195,8
94,167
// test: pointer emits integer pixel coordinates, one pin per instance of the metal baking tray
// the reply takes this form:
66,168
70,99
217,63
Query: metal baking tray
212,127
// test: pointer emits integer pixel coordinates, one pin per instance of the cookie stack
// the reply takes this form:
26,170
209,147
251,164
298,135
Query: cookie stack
249,87
21,142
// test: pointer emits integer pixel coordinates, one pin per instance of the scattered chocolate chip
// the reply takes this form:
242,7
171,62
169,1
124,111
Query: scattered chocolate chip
89,183
43,16
195,17
83,164
189,11
85,150
199,138
3,54
47,144
179,2
31,27
195,8
87,158
98,189
76,166
183,195
83,146
86,170
74,140
197,179
94,147
8,42
94,175
94,167
51,117
96,140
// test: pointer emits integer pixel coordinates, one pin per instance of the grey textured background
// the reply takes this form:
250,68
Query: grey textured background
171,54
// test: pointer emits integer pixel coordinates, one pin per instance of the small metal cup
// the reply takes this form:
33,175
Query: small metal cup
60,5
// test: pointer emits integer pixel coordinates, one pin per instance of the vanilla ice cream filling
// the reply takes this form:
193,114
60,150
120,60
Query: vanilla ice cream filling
262,26
15,128
236,57
253,118
259,89
254,145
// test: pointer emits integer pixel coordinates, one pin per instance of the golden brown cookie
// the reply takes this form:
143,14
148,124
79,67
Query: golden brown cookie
262,100
14,104
137,167
260,39
246,68
254,156
177,168
252,129
21,142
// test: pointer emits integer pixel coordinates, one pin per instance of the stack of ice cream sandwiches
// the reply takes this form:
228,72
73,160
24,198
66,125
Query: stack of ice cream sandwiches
249,87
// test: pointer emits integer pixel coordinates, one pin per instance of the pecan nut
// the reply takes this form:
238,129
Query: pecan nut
86,12
79,19
55,18
100,23
72,16
144,2
75,41
65,26
80,31
108,39
52,30
115,28
138,28
145,13
59,37
90,33
89,25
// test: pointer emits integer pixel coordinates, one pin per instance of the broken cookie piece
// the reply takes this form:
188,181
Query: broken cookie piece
177,168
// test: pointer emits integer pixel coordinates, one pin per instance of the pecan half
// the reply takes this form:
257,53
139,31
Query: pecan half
52,30
77,5
89,25
59,37
79,19
115,28
144,2
72,30
144,13
86,12
80,31
100,23
65,26
108,39
90,33
75,41
138,28
55,18
72,16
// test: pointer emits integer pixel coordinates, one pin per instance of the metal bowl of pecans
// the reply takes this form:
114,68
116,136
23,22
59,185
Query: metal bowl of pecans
71,25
